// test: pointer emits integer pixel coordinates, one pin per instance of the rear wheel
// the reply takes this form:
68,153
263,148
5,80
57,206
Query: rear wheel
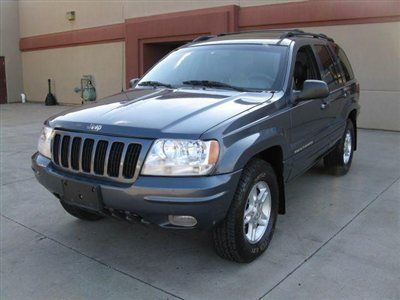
80,213
339,160
247,230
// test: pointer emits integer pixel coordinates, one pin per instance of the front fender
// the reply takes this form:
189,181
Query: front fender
235,155
247,134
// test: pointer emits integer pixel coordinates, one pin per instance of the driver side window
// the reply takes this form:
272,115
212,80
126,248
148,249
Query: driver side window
305,67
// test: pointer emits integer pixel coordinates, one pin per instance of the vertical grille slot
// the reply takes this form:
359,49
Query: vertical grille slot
87,154
100,157
56,149
131,157
114,159
75,149
65,151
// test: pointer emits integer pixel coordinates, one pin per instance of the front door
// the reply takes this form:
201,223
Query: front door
309,119
3,85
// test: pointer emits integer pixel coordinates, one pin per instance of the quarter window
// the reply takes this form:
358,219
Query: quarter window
329,73
344,63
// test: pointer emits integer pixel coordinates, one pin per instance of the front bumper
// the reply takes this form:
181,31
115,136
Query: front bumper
153,198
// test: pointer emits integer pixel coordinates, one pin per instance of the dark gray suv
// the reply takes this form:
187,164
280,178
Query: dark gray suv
209,137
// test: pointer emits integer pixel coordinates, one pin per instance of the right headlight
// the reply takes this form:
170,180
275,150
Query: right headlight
170,157
44,143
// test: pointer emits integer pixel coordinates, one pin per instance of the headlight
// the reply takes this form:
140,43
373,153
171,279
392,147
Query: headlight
181,158
44,144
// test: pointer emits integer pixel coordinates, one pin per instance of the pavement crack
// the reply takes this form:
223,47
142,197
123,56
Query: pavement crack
331,238
44,236
19,180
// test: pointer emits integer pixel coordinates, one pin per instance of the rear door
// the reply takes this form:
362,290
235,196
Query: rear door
331,74
350,91
3,85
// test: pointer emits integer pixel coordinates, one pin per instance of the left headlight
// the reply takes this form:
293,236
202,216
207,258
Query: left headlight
168,157
44,143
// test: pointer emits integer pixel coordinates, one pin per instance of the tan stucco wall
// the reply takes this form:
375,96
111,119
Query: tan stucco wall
41,17
9,48
374,52
65,66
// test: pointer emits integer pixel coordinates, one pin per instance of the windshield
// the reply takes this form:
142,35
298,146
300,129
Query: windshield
242,67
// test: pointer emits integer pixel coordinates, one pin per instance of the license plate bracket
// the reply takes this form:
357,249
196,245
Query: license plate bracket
84,195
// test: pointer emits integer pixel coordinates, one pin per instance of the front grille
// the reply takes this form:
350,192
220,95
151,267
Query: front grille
96,155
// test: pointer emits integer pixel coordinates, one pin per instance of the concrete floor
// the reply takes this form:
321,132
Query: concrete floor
340,238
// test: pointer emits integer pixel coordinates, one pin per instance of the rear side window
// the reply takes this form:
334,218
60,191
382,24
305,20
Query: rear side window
344,63
328,72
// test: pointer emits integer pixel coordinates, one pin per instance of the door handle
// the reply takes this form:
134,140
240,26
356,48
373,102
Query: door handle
325,105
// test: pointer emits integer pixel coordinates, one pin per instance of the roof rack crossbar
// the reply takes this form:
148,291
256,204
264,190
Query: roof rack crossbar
260,31
314,35
203,38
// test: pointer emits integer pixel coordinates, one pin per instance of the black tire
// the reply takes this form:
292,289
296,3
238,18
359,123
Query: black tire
80,213
229,236
335,162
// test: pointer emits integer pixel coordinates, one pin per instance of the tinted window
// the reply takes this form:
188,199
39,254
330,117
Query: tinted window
344,63
328,72
253,67
305,67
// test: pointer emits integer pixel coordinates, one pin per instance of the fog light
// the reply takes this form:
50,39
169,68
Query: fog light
185,221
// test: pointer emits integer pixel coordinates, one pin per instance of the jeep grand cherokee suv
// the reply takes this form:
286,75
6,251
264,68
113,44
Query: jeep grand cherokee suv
209,137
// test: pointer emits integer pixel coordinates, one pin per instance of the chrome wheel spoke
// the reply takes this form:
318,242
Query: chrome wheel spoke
247,219
263,222
248,211
252,197
262,195
252,231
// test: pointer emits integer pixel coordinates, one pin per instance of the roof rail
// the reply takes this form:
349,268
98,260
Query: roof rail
203,38
261,31
302,33
285,33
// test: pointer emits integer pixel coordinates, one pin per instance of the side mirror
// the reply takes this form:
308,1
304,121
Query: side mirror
312,89
133,82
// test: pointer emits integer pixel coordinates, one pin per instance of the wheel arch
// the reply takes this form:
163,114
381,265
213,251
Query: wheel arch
353,117
274,156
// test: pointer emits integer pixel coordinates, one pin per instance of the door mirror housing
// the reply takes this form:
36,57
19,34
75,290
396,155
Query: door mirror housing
312,89
133,82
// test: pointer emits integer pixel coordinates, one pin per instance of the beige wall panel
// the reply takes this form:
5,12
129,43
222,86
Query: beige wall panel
374,52
135,9
380,110
9,48
153,7
66,67
245,3
41,17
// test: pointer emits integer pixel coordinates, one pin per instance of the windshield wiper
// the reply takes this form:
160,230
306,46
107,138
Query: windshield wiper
216,84
155,84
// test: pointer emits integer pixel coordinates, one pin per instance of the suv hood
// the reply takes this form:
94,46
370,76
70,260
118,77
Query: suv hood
157,113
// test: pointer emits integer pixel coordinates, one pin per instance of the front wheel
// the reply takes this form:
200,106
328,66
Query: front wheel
338,161
247,230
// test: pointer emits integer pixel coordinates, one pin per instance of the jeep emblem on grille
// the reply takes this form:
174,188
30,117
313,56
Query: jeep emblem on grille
94,127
